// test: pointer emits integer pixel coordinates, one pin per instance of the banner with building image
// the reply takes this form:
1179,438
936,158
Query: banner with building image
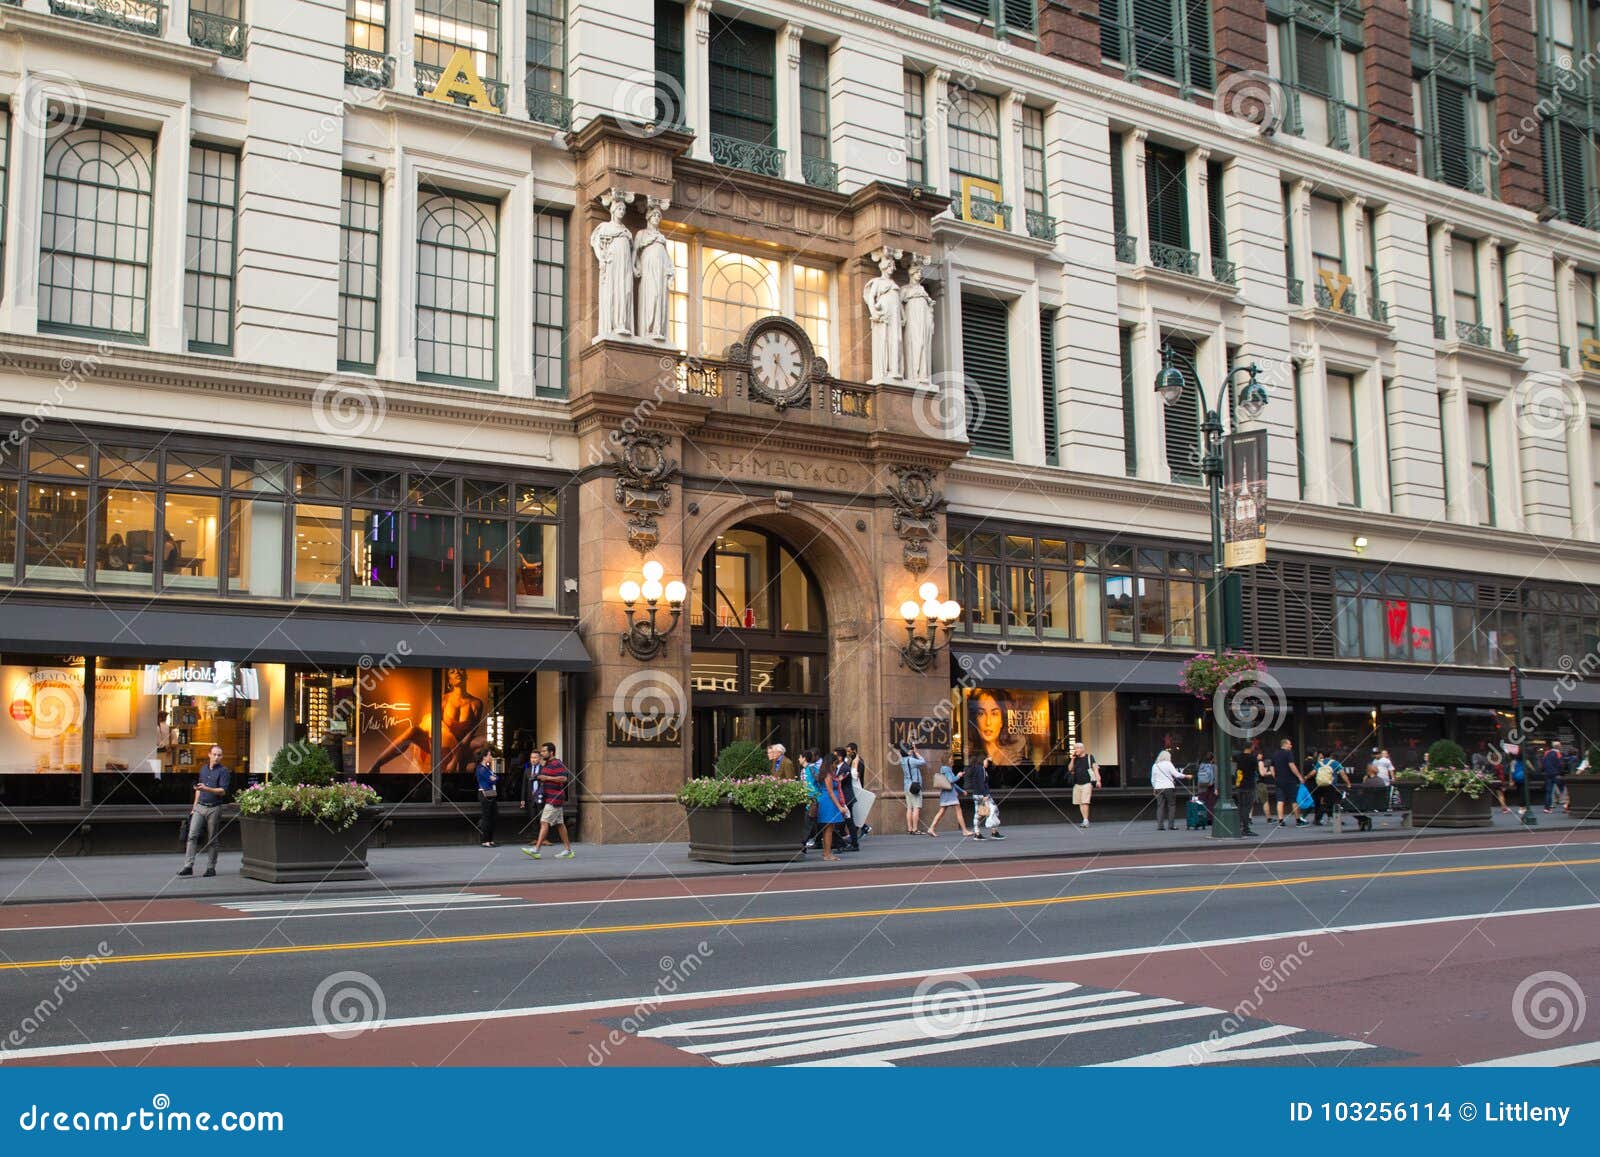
1244,500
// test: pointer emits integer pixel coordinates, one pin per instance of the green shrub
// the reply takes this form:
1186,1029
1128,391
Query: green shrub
1446,754
1457,780
767,796
336,804
743,759
303,762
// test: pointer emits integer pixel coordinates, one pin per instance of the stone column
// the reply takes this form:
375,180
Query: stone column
402,39
1199,209
19,309
1011,161
1444,294
790,37
697,77
1136,208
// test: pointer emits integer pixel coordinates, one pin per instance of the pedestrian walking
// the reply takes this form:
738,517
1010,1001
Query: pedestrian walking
1164,777
1327,775
488,797
1247,771
847,788
948,784
1085,778
1205,782
1554,767
1495,765
858,775
830,805
810,768
980,786
782,766
205,814
912,766
554,779
1286,781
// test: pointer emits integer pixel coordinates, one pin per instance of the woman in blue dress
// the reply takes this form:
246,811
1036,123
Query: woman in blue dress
830,804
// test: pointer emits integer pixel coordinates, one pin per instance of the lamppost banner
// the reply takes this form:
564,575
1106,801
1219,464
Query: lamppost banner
1244,500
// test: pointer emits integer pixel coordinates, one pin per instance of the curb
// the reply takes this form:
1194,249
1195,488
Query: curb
350,887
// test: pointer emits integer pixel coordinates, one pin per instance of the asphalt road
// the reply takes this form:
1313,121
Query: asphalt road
1434,955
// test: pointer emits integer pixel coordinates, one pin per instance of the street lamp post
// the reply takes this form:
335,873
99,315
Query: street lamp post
1171,385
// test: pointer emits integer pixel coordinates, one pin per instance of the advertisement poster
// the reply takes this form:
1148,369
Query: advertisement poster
395,725
1006,725
1244,500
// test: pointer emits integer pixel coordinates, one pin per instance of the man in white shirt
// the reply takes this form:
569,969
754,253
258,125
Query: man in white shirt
1383,767
1164,777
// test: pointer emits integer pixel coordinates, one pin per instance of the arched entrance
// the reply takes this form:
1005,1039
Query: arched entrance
759,647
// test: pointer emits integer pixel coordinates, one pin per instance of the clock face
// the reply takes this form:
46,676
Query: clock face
775,360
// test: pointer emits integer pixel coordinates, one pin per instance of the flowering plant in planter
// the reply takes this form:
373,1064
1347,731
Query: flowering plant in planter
769,797
1205,672
1447,769
301,783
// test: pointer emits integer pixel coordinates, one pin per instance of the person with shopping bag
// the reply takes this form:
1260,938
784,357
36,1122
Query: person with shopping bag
985,812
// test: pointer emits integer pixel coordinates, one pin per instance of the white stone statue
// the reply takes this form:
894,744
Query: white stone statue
917,307
882,296
652,265
613,248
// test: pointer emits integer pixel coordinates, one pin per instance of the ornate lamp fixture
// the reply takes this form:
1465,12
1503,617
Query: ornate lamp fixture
922,648
643,639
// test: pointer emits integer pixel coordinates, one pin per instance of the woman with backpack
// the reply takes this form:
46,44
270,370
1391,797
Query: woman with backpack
1326,773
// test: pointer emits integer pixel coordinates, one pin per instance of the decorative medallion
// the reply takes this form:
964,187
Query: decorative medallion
917,504
644,472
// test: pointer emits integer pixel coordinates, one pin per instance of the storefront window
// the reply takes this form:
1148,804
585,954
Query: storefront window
798,595
1156,723
255,547
125,555
714,672
56,542
1346,731
1053,603
987,603
1182,624
1086,607
191,536
741,595
1119,608
374,554
1152,612
484,581
317,554
41,752
786,674
535,565
8,527
1408,732
430,558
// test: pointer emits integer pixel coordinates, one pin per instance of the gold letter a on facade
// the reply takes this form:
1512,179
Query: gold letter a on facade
460,80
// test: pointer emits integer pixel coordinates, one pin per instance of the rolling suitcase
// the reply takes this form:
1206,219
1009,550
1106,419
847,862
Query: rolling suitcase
1197,815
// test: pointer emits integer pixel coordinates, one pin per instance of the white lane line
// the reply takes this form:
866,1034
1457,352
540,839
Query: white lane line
1546,1058
658,999
1333,861
390,900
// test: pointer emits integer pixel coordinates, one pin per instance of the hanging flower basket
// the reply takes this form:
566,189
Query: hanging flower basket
1204,673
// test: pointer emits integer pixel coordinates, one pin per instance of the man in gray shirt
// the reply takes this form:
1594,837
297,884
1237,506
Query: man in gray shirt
209,795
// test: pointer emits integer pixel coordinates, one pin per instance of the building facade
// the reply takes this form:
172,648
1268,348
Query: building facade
359,358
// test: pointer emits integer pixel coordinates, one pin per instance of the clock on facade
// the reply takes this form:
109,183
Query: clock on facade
782,366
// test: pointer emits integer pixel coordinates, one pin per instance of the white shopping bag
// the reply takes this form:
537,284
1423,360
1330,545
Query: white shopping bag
993,820
864,801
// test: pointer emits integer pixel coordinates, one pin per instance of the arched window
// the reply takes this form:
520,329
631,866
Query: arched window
974,136
735,290
94,245
457,287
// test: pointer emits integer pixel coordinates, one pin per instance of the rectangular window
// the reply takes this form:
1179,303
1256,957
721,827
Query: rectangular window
1464,280
1130,443
985,360
1584,309
1344,474
743,89
813,307
1216,212
1454,131
549,303
8,527
457,288
1167,191
547,47
1052,405
94,235
669,110
366,26
1119,204
1370,227
360,249
916,145
1168,38
208,250
255,546
1444,449
1482,463
443,27
974,139
1033,186
1327,238
1183,417
814,101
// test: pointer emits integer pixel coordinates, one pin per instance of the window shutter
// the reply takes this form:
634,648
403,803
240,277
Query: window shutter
1217,220
1167,192
1047,360
669,63
1130,444
1269,617
743,59
1451,132
1311,61
978,8
1019,14
985,364
1155,37
1320,605
1119,210
1197,19
1183,419
1111,44
1574,143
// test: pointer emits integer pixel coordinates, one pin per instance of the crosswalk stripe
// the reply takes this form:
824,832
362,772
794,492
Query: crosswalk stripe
1249,1045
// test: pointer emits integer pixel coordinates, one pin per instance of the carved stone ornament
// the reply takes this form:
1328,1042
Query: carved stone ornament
917,504
644,472
777,362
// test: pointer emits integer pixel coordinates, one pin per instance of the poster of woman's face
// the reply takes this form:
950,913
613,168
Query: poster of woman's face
1007,726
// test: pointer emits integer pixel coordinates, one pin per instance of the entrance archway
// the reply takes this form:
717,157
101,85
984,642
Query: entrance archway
758,646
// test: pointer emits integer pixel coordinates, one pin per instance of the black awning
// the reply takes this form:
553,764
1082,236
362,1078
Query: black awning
1068,670
295,635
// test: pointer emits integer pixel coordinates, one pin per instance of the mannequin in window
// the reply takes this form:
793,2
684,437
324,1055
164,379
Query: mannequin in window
613,248
882,296
652,265
917,307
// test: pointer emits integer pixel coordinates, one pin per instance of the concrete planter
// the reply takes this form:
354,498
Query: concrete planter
294,850
1584,793
729,835
1433,807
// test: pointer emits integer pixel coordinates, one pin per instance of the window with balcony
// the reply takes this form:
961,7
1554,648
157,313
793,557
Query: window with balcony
547,63
1317,56
1222,269
1166,189
94,236
1332,288
1127,245
736,289
549,302
986,374
1586,313
1478,446
744,99
360,249
1003,15
219,26
1456,132
208,266
975,157
1170,39
366,43
457,288
144,17
669,105
1465,291
445,27
816,165
1376,306
1034,194
1344,472
916,128
1182,418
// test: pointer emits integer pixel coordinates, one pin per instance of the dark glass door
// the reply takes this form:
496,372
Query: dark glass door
794,727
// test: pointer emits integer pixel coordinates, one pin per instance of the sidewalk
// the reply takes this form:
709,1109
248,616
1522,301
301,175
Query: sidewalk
146,876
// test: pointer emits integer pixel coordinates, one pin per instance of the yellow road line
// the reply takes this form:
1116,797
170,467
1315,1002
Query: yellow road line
794,918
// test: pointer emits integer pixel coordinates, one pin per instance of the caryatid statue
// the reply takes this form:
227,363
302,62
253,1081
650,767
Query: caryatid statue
652,265
882,296
613,248
917,307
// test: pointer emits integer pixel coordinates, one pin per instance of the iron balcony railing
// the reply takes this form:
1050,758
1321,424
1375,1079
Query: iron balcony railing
1449,36
367,69
549,108
145,17
1473,334
428,76
1380,309
850,402
1295,290
747,155
1345,303
1566,357
820,173
218,33
1041,225
1224,271
1127,248
1338,113
982,211
1438,326
1511,343
1175,259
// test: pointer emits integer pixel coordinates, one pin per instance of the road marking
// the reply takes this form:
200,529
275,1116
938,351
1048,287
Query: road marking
658,999
789,918
1235,1047
391,900
1249,862
1548,1058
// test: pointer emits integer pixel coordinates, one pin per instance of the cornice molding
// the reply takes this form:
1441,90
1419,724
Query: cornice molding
107,41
